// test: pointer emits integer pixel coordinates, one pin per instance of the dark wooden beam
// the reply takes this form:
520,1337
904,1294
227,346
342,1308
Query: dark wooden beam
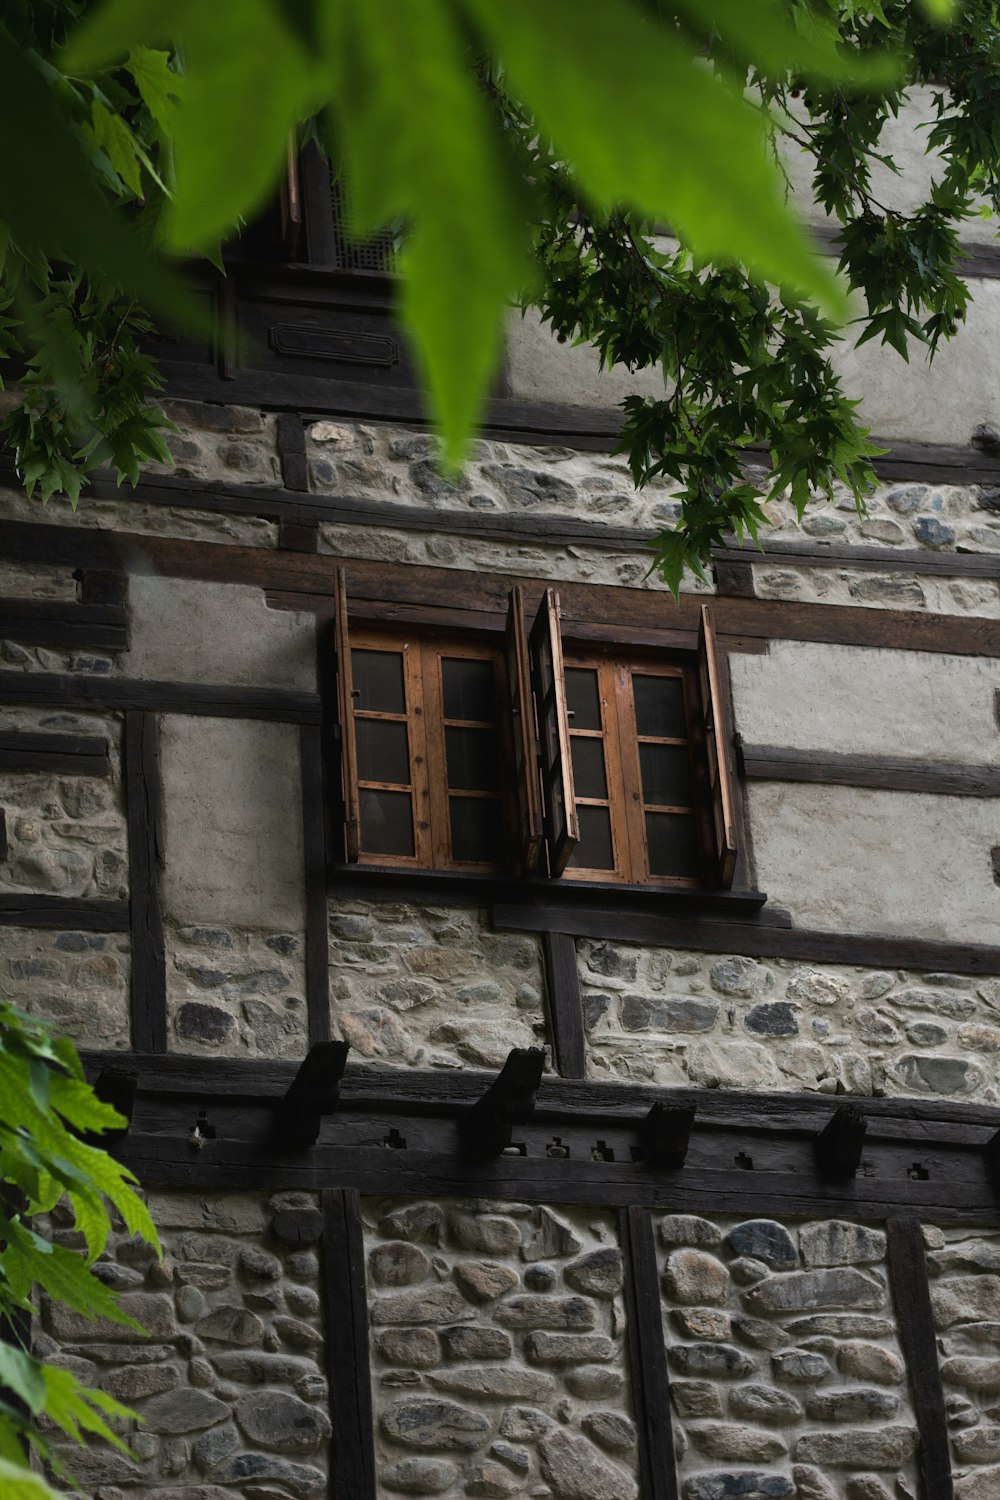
565,1005
342,1262
487,1126
841,1142
918,1338
313,1093
893,773
65,754
163,697
144,813
317,957
291,441
47,622
666,1135
63,913
647,1356
754,940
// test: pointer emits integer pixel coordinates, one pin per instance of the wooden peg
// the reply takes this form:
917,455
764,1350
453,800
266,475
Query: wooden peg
840,1143
666,1135
510,1099
312,1093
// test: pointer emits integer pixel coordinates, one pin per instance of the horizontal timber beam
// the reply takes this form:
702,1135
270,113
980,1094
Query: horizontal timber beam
66,754
883,772
395,1131
307,579
120,693
64,914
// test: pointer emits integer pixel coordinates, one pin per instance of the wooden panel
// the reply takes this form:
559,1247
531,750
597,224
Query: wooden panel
885,772
345,719
143,804
647,1356
562,829
347,1359
565,1006
522,721
720,780
918,1338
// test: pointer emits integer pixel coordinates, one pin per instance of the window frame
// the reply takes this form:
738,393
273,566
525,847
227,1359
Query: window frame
481,634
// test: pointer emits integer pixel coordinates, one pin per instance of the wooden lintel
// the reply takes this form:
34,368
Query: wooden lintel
510,1100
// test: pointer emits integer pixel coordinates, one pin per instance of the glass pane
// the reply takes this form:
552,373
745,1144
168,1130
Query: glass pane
582,699
673,844
659,706
383,751
468,689
386,822
589,779
476,831
666,774
594,851
378,681
472,759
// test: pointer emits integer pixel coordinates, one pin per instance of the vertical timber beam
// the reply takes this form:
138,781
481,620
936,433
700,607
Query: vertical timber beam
569,1051
348,1367
143,804
647,1357
915,1318
314,855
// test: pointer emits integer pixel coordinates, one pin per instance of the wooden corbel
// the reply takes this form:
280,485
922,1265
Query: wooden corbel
666,1135
510,1099
991,1159
117,1087
312,1093
840,1143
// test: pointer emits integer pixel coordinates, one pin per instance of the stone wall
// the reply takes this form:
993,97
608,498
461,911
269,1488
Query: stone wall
676,1017
786,1372
66,834
79,981
433,987
965,1294
227,1377
498,1343
236,992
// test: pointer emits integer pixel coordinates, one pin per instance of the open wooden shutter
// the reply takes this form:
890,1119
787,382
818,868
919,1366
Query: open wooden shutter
562,828
522,719
720,780
345,714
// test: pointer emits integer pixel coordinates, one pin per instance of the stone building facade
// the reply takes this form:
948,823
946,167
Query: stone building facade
377,1285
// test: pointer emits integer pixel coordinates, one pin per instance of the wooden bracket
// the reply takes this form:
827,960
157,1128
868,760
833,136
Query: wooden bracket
117,1087
312,1093
666,1135
991,1159
510,1100
839,1144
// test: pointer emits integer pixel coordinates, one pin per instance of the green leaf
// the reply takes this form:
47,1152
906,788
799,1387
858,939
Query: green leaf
421,145
809,48
159,86
112,135
643,123
17,1483
22,1375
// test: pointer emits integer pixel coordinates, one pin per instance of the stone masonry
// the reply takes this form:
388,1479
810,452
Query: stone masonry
498,1361
965,1294
227,1377
786,1372
670,1017
433,987
235,992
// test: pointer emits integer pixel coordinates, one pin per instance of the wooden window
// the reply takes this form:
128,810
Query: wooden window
600,764
425,725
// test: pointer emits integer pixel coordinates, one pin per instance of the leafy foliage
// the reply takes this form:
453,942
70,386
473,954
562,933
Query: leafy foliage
47,1113
618,167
